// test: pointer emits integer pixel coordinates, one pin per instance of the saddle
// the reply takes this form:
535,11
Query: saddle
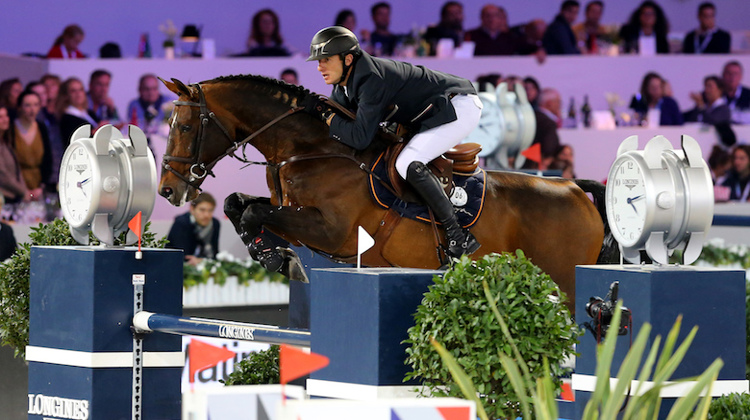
462,160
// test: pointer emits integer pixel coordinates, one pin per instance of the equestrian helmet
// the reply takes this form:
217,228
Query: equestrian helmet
333,40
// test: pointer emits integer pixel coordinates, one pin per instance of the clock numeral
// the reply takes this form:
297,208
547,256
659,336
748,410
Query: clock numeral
617,218
630,165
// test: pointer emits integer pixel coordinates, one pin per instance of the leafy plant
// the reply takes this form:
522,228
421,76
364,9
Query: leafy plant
225,265
15,274
260,368
455,311
730,406
605,402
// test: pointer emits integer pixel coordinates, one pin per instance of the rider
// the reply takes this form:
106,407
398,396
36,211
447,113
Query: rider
443,108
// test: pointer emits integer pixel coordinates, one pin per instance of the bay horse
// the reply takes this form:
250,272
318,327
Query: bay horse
319,189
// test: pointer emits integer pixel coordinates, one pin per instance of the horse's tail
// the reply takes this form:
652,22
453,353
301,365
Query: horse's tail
610,252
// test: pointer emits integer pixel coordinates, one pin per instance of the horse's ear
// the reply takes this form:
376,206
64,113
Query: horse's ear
176,86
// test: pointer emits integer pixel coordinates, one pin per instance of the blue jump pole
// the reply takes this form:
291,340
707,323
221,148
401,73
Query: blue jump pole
148,321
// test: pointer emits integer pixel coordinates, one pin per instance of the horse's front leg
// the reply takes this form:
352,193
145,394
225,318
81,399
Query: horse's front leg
250,214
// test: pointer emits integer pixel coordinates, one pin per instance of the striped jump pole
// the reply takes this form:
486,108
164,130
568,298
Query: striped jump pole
150,322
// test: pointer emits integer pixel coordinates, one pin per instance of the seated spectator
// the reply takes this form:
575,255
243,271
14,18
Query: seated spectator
101,105
565,167
382,40
559,37
737,95
110,50
72,109
707,39
652,96
196,232
8,243
710,105
12,186
53,130
532,91
265,36
289,75
533,32
738,176
494,37
550,103
719,162
31,145
66,45
548,120
591,30
146,111
347,19
646,31
9,91
51,83
451,26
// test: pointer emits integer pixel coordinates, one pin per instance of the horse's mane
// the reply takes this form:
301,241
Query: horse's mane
279,85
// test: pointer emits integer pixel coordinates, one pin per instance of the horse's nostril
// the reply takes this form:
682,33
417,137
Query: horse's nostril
165,192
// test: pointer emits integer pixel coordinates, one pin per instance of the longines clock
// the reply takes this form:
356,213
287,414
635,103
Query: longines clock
105,181
659,199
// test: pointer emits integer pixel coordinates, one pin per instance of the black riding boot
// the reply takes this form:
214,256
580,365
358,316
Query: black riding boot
460,241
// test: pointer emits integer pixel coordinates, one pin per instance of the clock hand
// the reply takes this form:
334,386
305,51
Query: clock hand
79,184
630,201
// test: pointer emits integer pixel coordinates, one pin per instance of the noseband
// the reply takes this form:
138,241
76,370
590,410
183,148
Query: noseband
199,170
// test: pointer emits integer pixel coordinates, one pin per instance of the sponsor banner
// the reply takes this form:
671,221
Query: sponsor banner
209,377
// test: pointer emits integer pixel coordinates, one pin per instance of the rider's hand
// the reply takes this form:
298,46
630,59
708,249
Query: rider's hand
316,106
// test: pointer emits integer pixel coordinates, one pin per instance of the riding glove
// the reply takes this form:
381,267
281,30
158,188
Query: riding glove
316,106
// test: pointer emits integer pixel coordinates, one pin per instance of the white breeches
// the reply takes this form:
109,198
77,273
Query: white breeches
428,145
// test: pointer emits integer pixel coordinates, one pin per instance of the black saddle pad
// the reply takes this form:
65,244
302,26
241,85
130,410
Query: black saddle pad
467,198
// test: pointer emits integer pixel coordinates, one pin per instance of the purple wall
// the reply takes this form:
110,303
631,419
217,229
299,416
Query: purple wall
32,26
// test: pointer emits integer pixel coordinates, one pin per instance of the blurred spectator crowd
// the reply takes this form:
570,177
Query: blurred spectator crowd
38,119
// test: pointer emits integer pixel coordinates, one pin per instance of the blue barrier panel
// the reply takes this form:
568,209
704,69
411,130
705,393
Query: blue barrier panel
730,220
80,352
147,321
712,299
358,319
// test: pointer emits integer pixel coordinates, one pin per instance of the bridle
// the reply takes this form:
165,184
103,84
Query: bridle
199,170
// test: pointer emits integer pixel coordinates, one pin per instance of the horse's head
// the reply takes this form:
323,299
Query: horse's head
188,157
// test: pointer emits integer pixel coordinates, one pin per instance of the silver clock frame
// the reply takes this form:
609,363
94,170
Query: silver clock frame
124,182
679,199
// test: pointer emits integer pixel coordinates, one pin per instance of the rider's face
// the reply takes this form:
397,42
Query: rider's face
332,68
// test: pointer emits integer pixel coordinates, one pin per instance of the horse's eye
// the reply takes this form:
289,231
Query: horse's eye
185,128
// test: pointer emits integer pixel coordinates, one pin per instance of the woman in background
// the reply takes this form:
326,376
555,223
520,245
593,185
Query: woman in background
32,145
265,36
9,91
646,31
12,186
72,109
652,97
738,177
66,45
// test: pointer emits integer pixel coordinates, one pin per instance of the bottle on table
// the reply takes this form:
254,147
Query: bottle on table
586,112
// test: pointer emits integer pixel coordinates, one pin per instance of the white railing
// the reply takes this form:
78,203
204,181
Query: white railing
234,294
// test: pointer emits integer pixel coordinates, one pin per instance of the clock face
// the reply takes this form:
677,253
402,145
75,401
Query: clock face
626,201
76,184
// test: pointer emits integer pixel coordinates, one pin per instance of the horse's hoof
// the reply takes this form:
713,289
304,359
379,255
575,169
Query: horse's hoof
293,268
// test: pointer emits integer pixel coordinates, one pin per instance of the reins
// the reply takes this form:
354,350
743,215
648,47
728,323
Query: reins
199,170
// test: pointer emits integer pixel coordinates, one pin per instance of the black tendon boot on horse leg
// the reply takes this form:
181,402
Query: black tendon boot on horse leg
460,241
259,246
